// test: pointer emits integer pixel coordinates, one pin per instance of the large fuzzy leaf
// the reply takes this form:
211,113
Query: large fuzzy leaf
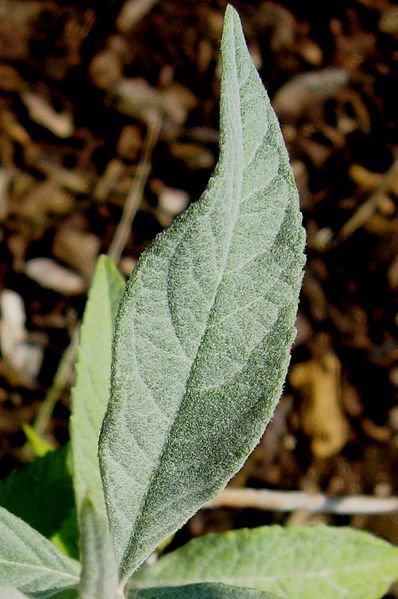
29,562
204,330
200,591
295,562
91,392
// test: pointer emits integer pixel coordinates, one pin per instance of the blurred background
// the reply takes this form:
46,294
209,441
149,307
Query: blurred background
115,103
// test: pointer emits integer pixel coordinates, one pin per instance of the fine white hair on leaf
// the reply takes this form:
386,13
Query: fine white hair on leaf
205,327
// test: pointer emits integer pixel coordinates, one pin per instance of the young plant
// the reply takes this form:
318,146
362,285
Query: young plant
201,342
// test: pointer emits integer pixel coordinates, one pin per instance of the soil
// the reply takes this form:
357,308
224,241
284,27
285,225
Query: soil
80,84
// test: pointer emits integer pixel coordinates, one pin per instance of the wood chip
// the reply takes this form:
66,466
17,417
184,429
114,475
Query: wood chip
171,203
389,20
22,355
132,12
323,420
78,249
136,98
195,156
51,275
108,181
40,111
5,179
302,91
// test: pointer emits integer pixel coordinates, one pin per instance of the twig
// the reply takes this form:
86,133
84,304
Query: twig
133,200
367,209
61,378
134,197
289,501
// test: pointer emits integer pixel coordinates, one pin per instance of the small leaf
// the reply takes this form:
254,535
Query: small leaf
305,562
200,591
29,562
204,330
99,577
41,493
91,392
39,445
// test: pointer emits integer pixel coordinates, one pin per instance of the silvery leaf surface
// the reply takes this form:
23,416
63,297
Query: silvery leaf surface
205,327
30,563
90,394
296,562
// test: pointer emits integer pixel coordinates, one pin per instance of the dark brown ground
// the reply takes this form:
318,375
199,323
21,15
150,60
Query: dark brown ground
79,82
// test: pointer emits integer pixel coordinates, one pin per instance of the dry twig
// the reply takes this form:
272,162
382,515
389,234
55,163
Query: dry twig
289,501
134,197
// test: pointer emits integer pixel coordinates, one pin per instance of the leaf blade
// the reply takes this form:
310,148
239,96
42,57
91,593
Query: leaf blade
91,392
161,449
298,562
29,562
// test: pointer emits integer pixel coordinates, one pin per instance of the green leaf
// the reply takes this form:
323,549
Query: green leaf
306,562
68,594
99,577
91,392
41,493
200,591
39,445
29,562
66,538
204,330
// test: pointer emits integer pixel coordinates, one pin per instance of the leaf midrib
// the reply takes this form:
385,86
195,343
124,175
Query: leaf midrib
327,574
158,468
24,565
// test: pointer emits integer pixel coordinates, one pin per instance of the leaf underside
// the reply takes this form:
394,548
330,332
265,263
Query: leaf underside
90,394
200,591
204,330
29,562
305,562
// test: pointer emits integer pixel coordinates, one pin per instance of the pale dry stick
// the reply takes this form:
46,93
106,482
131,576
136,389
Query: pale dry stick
367,209
132,204
289,501
134,197
61,378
